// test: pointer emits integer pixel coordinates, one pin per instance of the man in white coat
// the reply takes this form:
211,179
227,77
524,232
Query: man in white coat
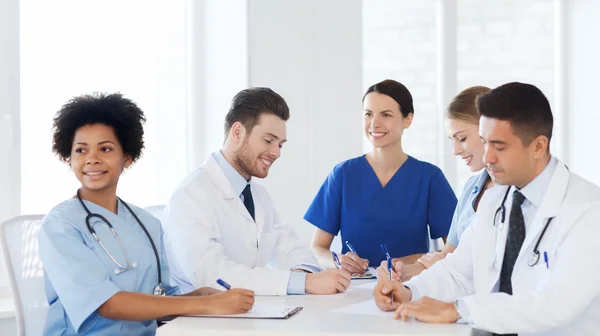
538,272
220,224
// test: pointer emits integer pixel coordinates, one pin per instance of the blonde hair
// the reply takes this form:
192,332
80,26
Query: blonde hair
463,106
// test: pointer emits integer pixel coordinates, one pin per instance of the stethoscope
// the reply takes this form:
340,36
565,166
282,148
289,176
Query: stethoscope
535,256
158,290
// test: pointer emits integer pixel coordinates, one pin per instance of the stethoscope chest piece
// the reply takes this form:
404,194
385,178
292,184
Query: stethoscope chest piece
158,290
535,257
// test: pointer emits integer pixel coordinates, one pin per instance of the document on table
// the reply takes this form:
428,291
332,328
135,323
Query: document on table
363,308
368,285
258,312
370,274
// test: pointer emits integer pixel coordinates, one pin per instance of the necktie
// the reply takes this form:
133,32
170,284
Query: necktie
248,201
514,241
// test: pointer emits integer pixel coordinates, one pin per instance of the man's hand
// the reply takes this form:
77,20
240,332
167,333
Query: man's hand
329,281
383,291
428,310
353,264
431,258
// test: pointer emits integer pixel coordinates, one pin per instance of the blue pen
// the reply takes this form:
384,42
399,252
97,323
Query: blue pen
546,259
336,260
224,284
354,251
385,251
389,265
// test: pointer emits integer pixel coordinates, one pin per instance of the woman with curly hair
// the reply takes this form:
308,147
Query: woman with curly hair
104,261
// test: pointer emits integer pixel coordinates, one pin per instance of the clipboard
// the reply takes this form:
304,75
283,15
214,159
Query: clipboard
370,274
258,312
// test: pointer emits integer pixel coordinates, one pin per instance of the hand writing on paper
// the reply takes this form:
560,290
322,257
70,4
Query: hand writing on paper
354,264
233,301
382,291
329,281
429,310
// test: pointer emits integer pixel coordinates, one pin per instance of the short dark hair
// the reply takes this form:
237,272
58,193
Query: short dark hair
122,114
523,105
249,104
397,91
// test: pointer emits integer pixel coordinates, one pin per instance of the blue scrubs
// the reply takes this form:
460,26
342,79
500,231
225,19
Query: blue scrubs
353,202
465,210
79,276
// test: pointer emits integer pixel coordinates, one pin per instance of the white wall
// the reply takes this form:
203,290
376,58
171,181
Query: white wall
582,74
310,52
10,187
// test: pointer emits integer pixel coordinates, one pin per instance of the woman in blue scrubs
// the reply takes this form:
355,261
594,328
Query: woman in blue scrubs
383,197
104,261
462,128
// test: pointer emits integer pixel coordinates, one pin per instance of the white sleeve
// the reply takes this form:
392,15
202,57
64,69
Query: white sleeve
572,283
449,278
196,242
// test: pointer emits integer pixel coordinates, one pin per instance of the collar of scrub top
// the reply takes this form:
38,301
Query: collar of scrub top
481,180
237,181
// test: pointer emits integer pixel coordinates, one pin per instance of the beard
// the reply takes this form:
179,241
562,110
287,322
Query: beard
246,161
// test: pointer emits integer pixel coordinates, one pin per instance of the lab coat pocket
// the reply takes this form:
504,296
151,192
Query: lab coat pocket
266,248
540,273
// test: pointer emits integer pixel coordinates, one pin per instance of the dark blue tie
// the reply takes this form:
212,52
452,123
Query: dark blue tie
514,242
248,201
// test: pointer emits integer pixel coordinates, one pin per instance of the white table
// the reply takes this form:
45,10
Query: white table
316,318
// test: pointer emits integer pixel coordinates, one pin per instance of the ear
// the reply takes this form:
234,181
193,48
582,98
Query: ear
540,146
237,133
128,161
408,120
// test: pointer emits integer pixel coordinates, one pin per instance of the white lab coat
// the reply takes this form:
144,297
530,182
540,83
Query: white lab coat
563,299
211,235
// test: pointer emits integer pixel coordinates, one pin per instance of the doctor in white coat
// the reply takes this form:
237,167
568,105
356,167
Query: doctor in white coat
221,224
538,272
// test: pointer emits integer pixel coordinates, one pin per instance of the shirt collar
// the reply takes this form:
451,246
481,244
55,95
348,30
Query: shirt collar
238,182
534,191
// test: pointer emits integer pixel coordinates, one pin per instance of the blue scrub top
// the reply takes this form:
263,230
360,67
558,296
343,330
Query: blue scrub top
465,210
79,276
353,202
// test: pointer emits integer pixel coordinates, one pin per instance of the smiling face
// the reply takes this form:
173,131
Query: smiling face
466,142
383,122
97,158
261,147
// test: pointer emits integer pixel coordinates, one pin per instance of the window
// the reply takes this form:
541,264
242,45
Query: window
134,47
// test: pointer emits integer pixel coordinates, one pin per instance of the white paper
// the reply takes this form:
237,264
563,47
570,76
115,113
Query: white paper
369,285
371,273
257,312
363,308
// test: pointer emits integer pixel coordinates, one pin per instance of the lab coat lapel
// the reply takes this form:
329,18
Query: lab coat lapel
549,207
224,186
496,236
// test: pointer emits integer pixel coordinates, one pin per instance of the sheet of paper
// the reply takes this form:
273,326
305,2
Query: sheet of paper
370,274
259,312
363,308
369,285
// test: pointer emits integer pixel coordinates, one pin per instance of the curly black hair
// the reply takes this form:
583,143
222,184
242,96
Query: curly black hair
122,114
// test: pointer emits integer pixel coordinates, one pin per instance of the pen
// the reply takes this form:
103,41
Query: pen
389,265
354,251
546,259
224,284
336,260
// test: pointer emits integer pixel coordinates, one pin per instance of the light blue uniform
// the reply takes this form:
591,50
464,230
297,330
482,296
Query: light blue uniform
80,277
465,210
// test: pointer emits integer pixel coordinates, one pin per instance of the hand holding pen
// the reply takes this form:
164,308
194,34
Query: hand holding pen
232,301
352,263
